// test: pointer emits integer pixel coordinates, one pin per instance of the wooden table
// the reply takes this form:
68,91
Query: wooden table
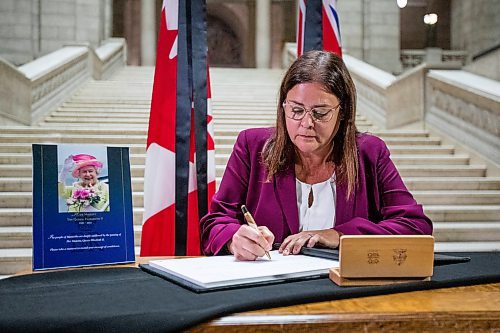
461,309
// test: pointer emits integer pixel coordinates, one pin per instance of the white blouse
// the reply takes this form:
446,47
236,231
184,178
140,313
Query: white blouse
321,214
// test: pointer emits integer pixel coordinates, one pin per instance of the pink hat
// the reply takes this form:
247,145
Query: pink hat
83,160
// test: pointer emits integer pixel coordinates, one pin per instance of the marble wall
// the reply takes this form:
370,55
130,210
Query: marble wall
32,28
475,25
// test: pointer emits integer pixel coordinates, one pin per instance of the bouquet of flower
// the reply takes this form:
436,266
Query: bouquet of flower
82,198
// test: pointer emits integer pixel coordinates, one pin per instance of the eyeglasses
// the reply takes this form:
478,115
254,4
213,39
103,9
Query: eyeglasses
318,114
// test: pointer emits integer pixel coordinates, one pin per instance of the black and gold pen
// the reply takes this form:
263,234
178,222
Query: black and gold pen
251,222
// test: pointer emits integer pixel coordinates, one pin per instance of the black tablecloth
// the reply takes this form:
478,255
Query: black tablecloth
130,300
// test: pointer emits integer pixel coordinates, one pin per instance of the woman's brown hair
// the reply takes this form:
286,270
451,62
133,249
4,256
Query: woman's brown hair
330,71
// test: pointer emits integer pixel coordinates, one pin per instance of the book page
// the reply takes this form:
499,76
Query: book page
226,270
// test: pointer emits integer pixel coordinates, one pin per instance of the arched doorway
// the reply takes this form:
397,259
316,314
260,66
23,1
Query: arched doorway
224,46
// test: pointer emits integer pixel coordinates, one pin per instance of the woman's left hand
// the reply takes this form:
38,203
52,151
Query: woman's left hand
293,243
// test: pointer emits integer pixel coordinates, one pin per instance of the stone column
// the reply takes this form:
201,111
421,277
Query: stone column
263,33
148,32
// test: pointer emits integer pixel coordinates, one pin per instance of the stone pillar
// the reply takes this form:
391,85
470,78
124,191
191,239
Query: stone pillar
148,32
433,56
263,33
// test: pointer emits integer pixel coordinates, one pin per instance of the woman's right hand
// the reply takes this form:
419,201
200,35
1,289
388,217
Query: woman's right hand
249,244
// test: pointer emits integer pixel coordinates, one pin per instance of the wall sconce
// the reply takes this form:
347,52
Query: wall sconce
402,3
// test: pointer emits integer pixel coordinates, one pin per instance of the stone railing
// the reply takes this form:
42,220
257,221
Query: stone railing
289,54
413,58
391,101
466,107
108,58
29,92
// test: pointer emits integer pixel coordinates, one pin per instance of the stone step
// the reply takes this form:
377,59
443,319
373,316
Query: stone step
423,150
97,114
24,170
15,148
102,120
16,237
13,261
446,213
442,170
15,184
390,141
400,137
219,116
443,160
56,138
460,213
420,170
224,124
400,160
467,231
221,159
395,149
15,158
446,183
138,135
66,130
236,127
54,133
24,184
24,199
439,197
452,183
221,113
467,246
73,108
25,148
102,127
112,99
22,237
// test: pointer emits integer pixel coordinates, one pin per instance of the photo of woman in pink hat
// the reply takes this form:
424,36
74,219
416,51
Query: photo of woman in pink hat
88,194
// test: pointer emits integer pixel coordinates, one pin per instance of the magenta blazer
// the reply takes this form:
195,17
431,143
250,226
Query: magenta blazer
381,204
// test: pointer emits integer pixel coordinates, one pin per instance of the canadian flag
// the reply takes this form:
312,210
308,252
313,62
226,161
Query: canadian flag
165,229
318,26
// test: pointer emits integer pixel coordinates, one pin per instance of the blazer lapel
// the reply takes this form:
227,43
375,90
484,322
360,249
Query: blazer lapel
287,198
343,209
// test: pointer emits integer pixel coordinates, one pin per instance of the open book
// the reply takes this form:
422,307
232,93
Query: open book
224,272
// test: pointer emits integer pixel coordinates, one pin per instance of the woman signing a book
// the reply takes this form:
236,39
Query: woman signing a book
311,178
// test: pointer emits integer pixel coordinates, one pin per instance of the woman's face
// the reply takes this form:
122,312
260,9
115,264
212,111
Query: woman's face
308,135
88,175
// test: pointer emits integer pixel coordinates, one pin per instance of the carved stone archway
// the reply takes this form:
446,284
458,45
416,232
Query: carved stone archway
228,34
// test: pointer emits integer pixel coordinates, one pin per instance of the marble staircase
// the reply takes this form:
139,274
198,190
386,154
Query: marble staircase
458,194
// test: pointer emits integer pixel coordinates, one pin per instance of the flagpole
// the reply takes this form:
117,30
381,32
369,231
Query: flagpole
199,44
182,130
